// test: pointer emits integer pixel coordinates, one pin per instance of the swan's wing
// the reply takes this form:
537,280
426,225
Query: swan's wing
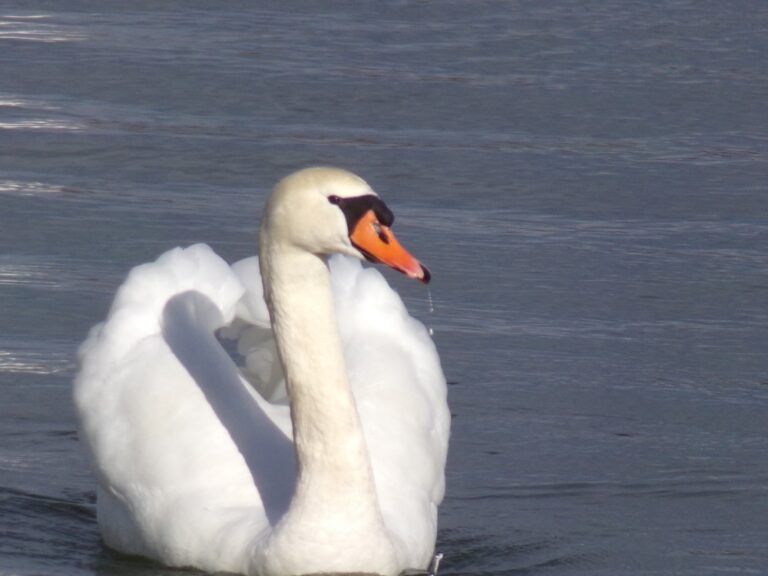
178,439
400,391
252,332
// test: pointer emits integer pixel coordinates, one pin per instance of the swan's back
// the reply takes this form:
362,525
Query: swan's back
194,466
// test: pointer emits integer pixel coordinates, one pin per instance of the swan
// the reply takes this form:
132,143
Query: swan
321,449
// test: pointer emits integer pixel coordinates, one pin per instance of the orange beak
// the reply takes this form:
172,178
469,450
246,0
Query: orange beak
378,244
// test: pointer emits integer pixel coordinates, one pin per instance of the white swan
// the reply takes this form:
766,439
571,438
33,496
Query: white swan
202,464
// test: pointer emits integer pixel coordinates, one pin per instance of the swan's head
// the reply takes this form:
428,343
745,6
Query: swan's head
329,210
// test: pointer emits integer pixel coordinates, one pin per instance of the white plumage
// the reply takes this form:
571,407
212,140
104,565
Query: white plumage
195,456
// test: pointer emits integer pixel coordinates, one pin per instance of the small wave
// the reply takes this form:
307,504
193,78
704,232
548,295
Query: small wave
48,357
36,28
19,188
38,275
488,554
14,103
32,362
689,486
79,506
41,124
34,114
42,530
54,273
25,16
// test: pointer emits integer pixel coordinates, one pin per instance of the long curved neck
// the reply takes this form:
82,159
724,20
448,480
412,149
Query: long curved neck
334,470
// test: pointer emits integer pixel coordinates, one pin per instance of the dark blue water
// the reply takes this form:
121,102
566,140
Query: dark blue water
588,182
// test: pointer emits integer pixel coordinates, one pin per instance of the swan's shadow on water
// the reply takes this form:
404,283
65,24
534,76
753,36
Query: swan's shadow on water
189,320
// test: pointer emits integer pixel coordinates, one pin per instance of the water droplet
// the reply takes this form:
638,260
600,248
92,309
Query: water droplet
431,309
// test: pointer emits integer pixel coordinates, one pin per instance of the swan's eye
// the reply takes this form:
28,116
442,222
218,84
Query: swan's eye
334,199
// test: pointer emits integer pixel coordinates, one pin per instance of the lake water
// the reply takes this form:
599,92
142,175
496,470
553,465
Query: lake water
588,182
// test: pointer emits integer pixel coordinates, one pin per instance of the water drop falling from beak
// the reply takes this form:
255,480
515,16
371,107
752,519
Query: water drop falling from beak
431,309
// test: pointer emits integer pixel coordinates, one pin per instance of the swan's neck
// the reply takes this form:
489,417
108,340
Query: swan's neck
334,470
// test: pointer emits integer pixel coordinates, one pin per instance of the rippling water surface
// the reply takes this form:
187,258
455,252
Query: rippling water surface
586,180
